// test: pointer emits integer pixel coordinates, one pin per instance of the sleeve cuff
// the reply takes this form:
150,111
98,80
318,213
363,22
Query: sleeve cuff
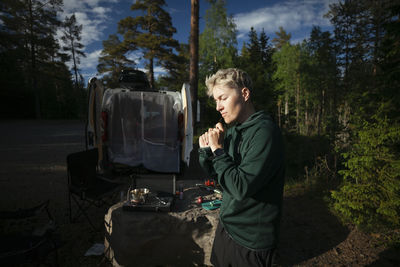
206,151
219,152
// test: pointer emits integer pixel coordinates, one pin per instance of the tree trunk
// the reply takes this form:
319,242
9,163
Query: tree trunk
151,60
74,60
286,110
279,113
151,72
307,123
322,116
319,119
194,56
298,103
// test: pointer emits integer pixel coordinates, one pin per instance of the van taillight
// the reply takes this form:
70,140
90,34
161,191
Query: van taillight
181,131
104,121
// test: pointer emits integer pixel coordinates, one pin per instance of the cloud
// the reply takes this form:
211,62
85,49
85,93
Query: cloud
101,12
173,11
87,76
71,6
91,60
91,15
160,70
92,29
157,71
291,15
298,40
88,64
135,56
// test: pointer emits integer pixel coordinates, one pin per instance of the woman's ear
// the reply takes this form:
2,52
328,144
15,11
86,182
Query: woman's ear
246,93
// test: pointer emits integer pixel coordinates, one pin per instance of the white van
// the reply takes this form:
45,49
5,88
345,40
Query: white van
137,127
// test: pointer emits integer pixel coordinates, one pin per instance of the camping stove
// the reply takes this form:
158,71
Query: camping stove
142,199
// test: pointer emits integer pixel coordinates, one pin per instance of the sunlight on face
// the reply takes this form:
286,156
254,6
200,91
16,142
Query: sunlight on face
229,103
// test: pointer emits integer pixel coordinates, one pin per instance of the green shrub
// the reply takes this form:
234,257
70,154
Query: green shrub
370,194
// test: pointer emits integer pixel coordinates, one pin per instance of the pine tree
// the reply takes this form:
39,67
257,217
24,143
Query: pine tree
152,33
324,85
254,46
30,27
71,37
281,38
266,51
218,40
389,77
350,20
177,67
217,49
287,77
194,55
369,194
255,59
112,60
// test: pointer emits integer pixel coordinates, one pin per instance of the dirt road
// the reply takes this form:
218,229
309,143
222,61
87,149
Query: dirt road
33,162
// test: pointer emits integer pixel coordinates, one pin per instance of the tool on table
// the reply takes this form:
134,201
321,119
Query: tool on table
209,182
209,188
212,205
161,201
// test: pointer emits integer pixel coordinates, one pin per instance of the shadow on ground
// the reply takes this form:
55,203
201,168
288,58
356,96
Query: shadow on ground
387,258
308,229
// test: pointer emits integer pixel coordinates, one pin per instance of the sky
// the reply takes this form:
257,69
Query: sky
100,19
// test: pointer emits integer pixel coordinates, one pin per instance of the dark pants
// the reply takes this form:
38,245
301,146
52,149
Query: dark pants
226,252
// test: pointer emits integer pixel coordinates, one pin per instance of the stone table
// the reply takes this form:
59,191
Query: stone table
181,237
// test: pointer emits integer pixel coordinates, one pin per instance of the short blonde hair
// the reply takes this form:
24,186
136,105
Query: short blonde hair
232,77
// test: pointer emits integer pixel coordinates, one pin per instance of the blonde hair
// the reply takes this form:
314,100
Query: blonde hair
232,77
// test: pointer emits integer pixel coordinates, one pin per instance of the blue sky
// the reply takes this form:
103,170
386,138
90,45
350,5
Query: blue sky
100,18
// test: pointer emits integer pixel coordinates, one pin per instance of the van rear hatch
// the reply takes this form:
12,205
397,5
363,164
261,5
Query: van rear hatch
142,129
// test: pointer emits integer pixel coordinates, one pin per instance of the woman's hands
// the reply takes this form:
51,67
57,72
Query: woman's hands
213,138
203,140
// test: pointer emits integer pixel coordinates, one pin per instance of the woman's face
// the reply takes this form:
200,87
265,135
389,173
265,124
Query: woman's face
229,103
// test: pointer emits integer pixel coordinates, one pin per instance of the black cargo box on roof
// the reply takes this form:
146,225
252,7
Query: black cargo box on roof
135,80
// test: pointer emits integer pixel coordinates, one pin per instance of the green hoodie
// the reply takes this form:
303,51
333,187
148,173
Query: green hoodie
251,173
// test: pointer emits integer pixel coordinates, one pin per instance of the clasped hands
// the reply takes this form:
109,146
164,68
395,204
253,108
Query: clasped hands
213,138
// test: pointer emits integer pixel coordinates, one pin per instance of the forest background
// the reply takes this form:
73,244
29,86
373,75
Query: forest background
335,95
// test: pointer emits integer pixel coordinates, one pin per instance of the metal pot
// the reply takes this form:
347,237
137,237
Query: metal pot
139,195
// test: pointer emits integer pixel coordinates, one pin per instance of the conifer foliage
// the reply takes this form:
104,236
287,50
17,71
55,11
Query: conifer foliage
151,32
217,49
218,40
256,59
113,60
71,37
34,81
370,194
